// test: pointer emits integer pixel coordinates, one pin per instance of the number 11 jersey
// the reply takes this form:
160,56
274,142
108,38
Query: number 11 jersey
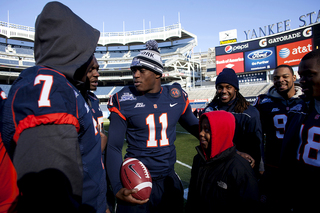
151,124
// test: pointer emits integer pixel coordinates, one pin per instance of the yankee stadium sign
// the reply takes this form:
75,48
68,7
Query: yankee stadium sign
309,18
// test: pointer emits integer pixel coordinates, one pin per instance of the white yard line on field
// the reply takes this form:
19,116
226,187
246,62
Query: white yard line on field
183,164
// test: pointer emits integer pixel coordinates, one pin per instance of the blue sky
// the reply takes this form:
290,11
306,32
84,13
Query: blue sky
204,18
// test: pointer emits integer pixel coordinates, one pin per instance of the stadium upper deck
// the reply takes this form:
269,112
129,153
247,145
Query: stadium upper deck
114,53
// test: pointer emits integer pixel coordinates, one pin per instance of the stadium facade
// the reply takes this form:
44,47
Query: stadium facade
253,60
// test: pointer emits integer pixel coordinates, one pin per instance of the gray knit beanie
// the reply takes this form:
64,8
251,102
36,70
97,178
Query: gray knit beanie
149,59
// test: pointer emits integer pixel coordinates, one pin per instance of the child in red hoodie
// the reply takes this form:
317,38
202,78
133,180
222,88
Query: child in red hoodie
221,180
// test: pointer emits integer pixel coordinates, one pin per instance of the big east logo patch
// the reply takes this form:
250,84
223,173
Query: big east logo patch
175,93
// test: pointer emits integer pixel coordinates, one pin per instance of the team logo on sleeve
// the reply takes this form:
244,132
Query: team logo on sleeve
175,93
266,100
127,97
297,107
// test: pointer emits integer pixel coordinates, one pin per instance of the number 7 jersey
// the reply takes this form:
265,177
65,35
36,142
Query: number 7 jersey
151,124
44,96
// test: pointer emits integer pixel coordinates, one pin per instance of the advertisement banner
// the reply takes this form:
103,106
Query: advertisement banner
260,59
234,61
292,53
270,41
236,48
227,37
228,41
285,38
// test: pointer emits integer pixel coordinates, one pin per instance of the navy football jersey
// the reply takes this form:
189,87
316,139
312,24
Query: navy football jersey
308,151
151,124
273,115
44,96
95,108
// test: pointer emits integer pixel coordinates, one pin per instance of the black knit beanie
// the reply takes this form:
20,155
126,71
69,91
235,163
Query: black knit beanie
228,76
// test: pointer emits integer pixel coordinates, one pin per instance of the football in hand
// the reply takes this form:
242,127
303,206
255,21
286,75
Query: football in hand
135,175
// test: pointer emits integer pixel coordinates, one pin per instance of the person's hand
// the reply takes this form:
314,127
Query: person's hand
248,158
126,195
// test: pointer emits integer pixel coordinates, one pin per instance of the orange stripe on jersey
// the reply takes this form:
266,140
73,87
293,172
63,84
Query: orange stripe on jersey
185,108
54,118
113,109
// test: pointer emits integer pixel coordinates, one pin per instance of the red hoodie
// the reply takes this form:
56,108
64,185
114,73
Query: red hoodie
222,126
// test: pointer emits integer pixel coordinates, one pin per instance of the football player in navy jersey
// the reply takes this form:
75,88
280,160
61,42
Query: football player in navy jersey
47,124
93,101
147,115
301,143
274,107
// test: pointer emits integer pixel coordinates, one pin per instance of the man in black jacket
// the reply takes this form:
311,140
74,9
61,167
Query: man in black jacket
221,180
248,133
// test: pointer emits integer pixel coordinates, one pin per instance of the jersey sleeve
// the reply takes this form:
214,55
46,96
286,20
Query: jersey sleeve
189,121
114,106
116,136
186,99
257,102
254,135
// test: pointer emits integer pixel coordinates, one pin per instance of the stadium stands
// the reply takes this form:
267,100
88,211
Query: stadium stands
254,89
114,57
106,92
201,93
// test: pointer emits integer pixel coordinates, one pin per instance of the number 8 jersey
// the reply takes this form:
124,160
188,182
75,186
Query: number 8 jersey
151,124
309,147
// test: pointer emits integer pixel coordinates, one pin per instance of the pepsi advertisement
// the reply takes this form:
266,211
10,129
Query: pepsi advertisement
261,59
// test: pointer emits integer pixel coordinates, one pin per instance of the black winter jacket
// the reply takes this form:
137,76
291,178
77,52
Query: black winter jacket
225,183
248,133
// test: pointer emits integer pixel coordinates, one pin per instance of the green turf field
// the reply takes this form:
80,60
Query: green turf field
185,146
